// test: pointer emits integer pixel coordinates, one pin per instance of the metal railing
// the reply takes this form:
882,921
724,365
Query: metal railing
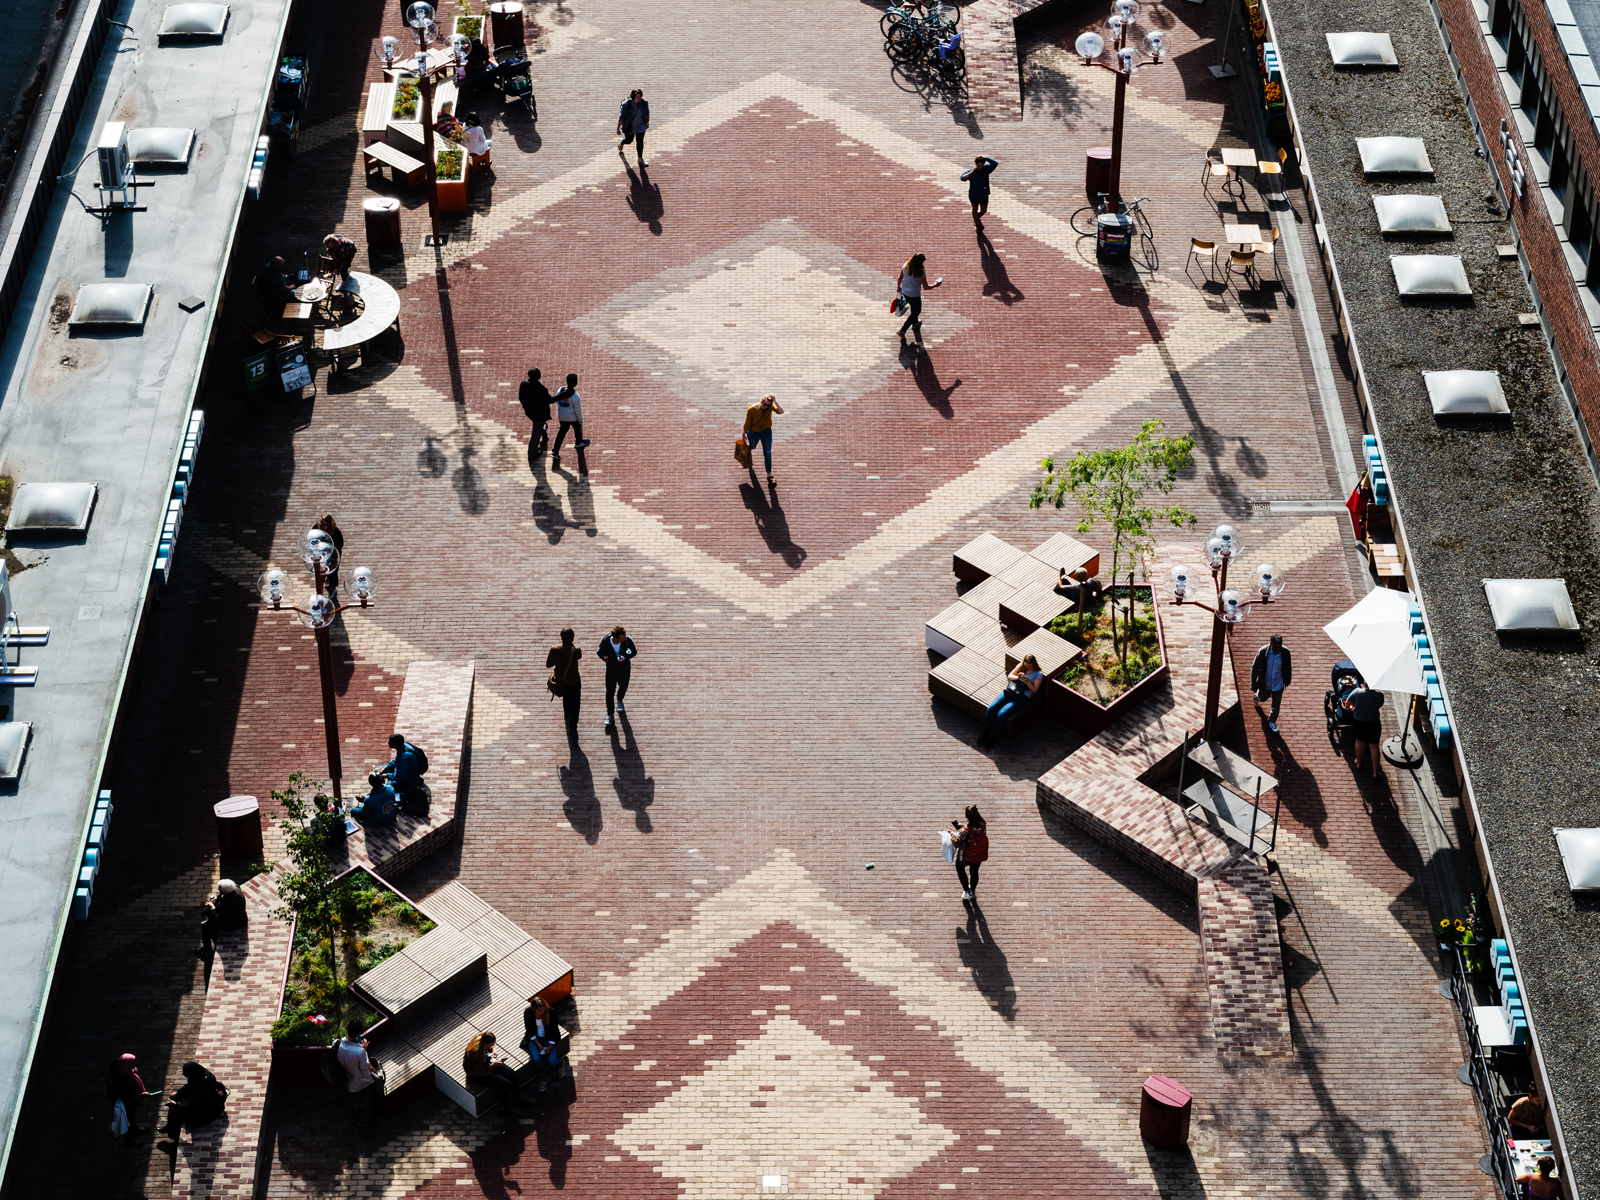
1497,1164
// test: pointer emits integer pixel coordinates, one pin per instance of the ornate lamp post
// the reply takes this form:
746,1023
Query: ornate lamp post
1125,61
1231,606
425,30
316,550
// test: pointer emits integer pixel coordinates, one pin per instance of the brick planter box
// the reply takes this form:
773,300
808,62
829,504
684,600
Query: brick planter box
1088,717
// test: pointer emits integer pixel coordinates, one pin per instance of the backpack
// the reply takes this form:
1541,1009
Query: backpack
422,758
975,848
333,1071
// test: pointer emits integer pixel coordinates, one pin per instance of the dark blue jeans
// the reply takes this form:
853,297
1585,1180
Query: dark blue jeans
1005,704
764,440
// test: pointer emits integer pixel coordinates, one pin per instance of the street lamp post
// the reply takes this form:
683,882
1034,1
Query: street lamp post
420,17
318,553
1124,15
1231,606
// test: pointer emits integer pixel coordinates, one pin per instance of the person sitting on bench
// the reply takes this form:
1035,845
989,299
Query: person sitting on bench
329,820
1077,583
483,1064
381,805
272,285
198,1102
404,772
223,913
341,255
543,1040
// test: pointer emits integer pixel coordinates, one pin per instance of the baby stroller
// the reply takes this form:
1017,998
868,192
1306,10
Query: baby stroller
511,75
1345,679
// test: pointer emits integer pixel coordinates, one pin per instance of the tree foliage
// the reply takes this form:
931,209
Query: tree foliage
1111,485
311,892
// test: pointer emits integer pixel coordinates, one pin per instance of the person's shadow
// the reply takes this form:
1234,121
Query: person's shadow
636,791
644,198
979,954
554,1141
996,282
581,499
771,522
468,483
917,360
582,807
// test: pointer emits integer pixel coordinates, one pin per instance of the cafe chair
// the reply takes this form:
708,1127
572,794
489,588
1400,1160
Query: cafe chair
1268,167
1243,261
1268,249
1215,169
1200,250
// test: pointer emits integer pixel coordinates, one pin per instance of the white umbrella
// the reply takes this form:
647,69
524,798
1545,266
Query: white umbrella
1376,636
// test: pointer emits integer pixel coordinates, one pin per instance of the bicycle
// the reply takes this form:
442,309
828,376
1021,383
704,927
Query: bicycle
1086,222
916,11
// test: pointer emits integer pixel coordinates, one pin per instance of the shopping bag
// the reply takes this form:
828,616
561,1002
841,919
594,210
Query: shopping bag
741,451
948,846
119,1120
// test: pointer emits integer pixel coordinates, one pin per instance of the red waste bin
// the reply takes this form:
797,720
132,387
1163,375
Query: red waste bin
1164,1108
382,214
1097,172
505,23
238,828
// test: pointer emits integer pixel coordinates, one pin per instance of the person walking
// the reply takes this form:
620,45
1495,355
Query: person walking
1269,675
362,1073
758,430
125,1088
335,535
632,122
1366,729
564,678
618,651
972,850
569,412
913,280
977,180
535,400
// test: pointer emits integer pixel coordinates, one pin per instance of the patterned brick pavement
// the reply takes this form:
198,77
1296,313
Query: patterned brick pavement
752,1000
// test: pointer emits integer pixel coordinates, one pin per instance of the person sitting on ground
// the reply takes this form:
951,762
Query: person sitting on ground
1526,1117
484,1064
198,1102
1076,583
404,772
543,1040
1541,1185
272,285
478,143
1021,684
223,913
329,820
380,806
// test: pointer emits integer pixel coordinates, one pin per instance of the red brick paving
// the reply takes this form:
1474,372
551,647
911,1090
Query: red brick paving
817,736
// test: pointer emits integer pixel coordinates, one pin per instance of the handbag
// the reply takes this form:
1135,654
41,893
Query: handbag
119,1120
897,305
948,846
556,685
741,451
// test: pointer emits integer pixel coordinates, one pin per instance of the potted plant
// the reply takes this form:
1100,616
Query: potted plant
406,97
470,27
450,175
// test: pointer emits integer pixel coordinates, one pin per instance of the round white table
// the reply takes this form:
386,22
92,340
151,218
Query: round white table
382,311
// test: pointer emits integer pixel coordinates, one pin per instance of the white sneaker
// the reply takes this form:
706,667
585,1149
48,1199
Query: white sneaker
966,895
608,722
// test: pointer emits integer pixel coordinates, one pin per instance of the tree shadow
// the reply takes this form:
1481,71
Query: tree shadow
915,358
979,953
644,198
636,791
771,521
996,282
582,807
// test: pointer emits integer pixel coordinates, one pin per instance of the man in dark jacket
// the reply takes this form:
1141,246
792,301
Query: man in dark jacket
977,177
1269,675
618,651
567,683
223,912
632,122
535,400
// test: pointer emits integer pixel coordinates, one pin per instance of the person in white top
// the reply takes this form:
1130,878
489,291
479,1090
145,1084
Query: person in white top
359,1071
913,279
569,411
478,142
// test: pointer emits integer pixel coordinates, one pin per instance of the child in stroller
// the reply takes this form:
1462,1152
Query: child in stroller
1345,679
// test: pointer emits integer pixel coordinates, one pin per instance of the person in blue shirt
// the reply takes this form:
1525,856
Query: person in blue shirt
977,177
1021,685
403,771
381,805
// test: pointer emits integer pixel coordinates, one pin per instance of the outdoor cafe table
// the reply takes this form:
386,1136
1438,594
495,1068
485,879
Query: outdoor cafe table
1235,156
1525,1156
1241,235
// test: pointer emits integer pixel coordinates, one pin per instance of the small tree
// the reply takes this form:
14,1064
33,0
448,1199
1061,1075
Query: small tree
311,892
1110,486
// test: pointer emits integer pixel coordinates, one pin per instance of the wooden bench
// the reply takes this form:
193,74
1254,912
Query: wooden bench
380,106
381,154
982,557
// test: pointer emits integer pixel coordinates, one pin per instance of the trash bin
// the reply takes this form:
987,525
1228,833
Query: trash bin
1164,1108
1097,172
505,23
382,215
1113,237
238,828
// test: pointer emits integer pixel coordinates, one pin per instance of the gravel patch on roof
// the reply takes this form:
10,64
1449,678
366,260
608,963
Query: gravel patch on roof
1478,499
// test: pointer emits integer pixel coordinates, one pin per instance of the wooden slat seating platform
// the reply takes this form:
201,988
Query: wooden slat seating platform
1062,552
1032,607
375,118
987,555
982,557
485,968
380,154
969,680
1053,652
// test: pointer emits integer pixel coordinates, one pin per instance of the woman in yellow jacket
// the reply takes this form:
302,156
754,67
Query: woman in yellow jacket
758,429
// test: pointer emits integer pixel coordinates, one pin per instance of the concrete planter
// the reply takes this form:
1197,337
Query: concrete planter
453,190
1088,717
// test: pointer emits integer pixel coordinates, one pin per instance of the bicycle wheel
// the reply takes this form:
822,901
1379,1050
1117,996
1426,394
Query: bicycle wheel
894,17
905,43
1085,221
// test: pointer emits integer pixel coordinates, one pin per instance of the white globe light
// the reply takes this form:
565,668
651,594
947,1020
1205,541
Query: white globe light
361,584
1230,609
1115,24
1090,45
1129,61
1266,581
1128,10
1214,553
319,612
419,14
1155,44
1180,581
388,49
273,587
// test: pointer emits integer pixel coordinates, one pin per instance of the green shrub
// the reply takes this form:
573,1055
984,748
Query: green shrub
471,27
406,95
448,164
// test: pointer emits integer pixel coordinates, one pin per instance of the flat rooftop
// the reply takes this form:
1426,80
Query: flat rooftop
108,408
1479,499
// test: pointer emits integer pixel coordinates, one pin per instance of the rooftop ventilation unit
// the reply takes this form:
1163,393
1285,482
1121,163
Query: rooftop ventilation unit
1430,275
1530,606
1465,393
194,20
111,304
1580,855
160,147
13,745
1394,155
1411,214
1362,50
51,508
